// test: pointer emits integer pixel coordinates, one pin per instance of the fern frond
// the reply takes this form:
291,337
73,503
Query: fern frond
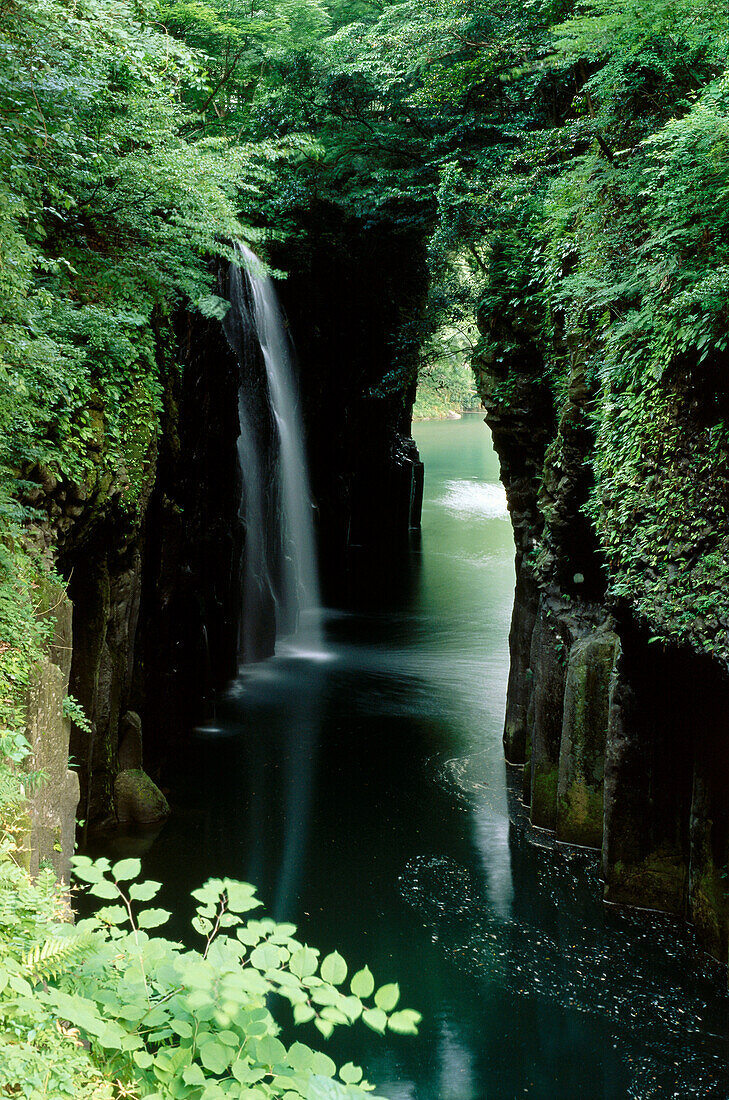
53,957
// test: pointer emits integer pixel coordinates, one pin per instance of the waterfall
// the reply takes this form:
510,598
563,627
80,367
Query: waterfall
279,574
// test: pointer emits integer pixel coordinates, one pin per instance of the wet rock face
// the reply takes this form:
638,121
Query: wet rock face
524,616
564,696
150,544
548,663
130,741
51,804
665,824
138,800
584,733
625,750
191,588
623,741
106,590
351,290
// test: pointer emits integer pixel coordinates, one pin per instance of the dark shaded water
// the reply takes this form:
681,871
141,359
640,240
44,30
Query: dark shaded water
367,797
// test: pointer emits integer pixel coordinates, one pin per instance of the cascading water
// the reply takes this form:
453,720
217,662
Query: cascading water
279,558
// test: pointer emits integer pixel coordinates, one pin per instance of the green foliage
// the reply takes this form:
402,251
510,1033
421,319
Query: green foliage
41,1055
445,380
104,1002
23,580
589,187
109,217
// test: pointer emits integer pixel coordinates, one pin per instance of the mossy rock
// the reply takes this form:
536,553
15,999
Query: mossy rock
138,799
656,882
584,733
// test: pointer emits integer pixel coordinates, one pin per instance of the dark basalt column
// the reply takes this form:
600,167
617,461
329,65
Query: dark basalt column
584,731
105,588
709,820
548,662
352,295
523,618
193,541
648,782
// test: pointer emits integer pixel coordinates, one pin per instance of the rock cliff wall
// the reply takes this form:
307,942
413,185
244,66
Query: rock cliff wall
52,803
148,544
351,293
618,692
150,541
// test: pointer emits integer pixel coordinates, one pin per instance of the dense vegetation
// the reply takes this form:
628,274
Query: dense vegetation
108,1007
569,169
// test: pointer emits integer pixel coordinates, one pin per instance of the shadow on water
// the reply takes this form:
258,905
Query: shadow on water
367,797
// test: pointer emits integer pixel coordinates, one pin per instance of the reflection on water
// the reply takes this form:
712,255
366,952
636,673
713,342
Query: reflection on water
367,797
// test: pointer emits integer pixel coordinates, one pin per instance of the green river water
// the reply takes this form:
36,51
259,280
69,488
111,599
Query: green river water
367,796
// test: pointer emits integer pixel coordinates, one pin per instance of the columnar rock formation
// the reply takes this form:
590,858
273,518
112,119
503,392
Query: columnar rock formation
151,542
619,721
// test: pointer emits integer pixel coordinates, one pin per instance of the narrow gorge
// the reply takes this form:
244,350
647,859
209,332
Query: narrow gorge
364,543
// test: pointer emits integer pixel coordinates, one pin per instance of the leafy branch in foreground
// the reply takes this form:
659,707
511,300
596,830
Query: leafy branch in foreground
164,1021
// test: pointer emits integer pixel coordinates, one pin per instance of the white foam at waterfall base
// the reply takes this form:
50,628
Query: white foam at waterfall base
475,498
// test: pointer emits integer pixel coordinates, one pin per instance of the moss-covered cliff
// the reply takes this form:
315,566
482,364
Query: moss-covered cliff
149,542
619,685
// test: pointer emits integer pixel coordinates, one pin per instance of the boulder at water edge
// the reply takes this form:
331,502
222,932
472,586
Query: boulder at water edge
138,799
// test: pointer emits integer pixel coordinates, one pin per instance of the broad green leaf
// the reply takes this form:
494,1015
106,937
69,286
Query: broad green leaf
265,957
351,1007
193,1075
363,984
20,985
303,963
246,1073
126,869
334,968
405,1022
303,1013
153,918
376,1019
105,890
144,891
387,997
209,894
88,871
283,933
241,897
270,1051
112,914
300,1057
229,1038
213,1091
324,1026
325,995
323,1065
215,1056
334,1015
350,1074
131,1043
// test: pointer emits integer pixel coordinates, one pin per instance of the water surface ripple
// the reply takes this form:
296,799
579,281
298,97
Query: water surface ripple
368,798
